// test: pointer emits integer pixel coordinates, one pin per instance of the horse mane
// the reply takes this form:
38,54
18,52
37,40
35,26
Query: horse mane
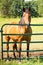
21,21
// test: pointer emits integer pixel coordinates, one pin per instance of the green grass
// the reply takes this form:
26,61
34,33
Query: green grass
8,20
35,61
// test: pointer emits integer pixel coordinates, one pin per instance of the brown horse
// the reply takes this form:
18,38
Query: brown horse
26,19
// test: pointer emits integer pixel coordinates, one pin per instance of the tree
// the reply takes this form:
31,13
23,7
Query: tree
40,7
16,8
5,6
13,8
34,8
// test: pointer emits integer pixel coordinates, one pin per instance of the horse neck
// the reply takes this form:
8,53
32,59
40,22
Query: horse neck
21,21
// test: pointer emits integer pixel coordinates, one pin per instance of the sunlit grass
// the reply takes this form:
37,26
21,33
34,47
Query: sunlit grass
8,20
37,20
34,61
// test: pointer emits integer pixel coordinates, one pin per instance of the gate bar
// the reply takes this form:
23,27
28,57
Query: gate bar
25,34
1,44
24,24
23,50
24,42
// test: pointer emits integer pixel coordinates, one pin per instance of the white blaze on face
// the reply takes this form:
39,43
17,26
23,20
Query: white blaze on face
27,22
26,16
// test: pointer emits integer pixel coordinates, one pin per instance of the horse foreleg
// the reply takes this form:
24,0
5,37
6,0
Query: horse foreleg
7,39
27,49
7,50
19,45
14,48
20,50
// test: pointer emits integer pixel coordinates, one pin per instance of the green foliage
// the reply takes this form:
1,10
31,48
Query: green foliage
40,7
5,6
13,8
34,8
16,8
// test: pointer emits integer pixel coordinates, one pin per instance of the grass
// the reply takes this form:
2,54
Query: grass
8,20
34,61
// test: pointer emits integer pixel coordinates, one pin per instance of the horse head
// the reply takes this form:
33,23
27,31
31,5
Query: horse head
26,16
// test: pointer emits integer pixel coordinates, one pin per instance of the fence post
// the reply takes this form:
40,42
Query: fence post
1,43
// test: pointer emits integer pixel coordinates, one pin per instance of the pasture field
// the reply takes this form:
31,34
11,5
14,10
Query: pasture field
35,61
33,46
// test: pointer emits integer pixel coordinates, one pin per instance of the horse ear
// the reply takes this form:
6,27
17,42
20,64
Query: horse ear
23,9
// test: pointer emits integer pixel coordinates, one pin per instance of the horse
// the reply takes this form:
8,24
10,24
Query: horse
25,19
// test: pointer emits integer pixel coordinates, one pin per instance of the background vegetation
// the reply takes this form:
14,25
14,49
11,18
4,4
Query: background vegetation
13,8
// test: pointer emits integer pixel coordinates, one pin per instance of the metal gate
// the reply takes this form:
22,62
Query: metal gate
3,43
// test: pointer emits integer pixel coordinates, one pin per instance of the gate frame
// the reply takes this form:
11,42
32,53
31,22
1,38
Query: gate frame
2,51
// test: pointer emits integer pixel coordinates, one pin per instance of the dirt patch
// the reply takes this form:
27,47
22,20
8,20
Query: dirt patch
24,54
